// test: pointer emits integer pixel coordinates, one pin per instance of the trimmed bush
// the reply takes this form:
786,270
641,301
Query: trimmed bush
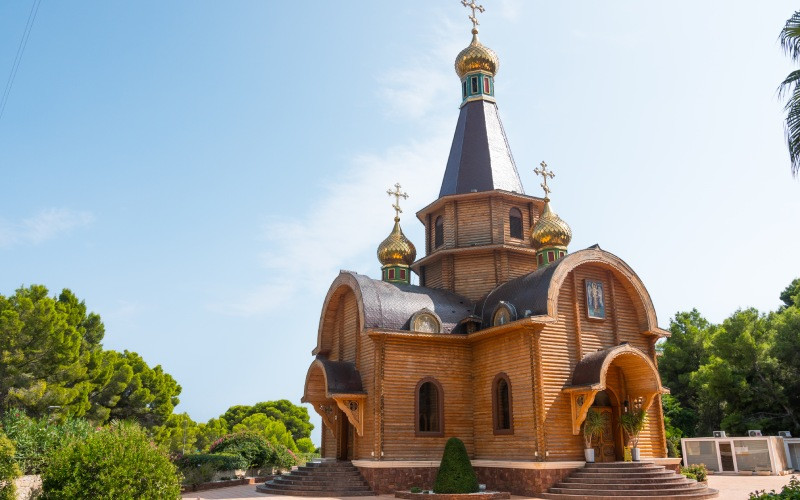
8,469
117,462
250,445
217,461
697,472
456,474
35,438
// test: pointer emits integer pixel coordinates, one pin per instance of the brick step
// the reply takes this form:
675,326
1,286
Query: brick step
622,475
626,470
302,493
326,468
660,492
320,487
325,473
627,480
631,465
628,486
316,481
706,493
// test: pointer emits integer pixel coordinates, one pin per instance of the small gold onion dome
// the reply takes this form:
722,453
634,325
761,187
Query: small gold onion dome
396,249
476,57
550,230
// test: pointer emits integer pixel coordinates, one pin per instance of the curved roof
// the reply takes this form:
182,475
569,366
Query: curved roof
591,370
391,305
536,293
341,377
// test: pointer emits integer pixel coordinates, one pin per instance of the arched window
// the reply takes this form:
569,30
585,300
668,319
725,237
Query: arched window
429,408
501,405
515,223
438,232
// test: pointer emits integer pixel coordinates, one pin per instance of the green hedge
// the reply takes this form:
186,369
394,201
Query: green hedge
118,462
8,469
252,446
456,474
217,461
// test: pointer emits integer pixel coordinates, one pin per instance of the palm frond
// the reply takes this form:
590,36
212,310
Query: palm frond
789,84
790,36
792,129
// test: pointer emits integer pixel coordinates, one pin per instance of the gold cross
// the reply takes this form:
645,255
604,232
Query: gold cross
472,5
545,174
397,195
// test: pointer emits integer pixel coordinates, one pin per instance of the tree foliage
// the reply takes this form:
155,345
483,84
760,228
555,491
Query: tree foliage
455,474
52,363
739,375
790,42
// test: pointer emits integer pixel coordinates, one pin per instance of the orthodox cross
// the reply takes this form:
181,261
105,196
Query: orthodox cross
545,174
397,195
472,5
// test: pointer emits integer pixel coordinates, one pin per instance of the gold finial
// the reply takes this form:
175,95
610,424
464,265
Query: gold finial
472,5
545,174
397,195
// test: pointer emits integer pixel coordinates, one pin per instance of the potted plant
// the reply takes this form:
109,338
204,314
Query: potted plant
592,427
633,423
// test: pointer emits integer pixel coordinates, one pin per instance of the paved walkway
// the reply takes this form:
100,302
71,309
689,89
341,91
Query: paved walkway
730,488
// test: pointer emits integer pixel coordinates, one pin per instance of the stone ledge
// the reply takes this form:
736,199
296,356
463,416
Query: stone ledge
500,464
486,495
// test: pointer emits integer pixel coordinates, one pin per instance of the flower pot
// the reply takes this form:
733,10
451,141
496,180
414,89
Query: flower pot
589,454
635,454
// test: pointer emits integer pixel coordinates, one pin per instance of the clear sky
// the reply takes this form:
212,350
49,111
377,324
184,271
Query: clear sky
199,171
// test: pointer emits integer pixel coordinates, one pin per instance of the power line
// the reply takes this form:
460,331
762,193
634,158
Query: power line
20,51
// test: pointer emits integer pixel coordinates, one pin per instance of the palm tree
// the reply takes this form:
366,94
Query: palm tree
790,42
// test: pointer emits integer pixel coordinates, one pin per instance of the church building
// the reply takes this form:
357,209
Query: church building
506,343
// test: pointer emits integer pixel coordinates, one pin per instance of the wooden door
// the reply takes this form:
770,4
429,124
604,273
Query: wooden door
604,450
343,444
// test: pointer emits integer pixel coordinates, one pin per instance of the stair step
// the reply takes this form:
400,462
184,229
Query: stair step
706,493
303,493
623,475
661,492
626,480
357,481
319,487
627,486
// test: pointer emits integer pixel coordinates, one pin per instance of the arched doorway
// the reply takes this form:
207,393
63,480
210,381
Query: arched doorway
610,380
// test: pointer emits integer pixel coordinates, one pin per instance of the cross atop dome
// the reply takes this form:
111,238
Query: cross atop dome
397,195
475,7
545,174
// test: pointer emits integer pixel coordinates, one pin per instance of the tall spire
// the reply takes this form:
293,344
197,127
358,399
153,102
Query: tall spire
480,158
551,235
396,253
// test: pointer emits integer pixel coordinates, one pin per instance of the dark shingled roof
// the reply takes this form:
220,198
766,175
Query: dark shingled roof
528,294
480,158
342,376
587,371
390,305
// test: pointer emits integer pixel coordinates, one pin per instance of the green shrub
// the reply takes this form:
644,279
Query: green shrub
35,439
116,462
203,473
285,458
218,461
415,489
455,472
8,469
305,445
250,445
698,472
789,492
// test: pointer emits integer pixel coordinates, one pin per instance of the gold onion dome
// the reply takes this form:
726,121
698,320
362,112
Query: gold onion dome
476,57
396,249
550,230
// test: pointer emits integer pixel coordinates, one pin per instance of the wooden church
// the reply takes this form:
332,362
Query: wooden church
507,341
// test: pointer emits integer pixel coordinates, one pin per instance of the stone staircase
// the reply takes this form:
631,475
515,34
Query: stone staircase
628,480
326,478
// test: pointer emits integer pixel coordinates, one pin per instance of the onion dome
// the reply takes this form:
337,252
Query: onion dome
476,57
396,249
550,230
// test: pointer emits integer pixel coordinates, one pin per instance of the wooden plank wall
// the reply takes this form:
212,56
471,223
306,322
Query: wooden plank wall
474,223
406,362
474,275
559,357
509,354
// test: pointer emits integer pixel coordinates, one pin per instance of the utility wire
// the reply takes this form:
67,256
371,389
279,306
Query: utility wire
18,58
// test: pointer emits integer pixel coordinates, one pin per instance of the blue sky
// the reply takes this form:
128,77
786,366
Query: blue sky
198,171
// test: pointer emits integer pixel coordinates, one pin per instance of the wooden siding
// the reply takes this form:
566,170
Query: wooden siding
475,275
507,354
474,223
407,361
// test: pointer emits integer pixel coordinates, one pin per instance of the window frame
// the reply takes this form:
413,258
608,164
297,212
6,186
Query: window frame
440,408
517,215
502,376
438,231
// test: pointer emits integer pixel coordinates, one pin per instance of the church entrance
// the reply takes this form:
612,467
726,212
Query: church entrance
605,449
344,443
